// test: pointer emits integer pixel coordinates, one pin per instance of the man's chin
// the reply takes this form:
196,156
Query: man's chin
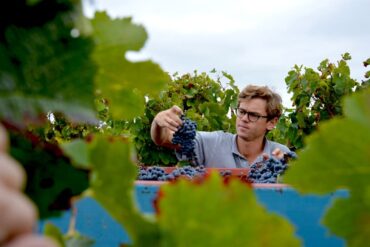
243,136
242,132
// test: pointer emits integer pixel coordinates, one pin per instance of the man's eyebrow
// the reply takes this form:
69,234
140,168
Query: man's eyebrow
253,112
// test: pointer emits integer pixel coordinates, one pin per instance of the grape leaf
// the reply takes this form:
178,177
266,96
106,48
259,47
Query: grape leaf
52,180
350,219
78,240
60,78
215,214
358,108
71,240
123,82
54,232
337,155
77,151
112,184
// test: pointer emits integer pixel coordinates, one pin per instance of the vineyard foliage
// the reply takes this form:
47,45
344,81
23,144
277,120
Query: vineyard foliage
57,64
53,64
234,200
316,97
203,100
337,157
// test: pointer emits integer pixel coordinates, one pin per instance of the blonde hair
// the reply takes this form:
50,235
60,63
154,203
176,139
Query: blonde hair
273,100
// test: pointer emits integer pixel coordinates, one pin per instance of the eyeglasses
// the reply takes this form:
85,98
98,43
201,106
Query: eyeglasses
252,116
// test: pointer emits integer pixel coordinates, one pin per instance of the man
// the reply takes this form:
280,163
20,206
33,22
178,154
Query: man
18,214
259,109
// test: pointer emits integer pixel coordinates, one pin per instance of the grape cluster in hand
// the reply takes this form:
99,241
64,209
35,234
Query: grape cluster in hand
268,171
184,136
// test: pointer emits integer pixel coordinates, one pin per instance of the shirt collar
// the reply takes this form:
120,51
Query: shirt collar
266,148
234,147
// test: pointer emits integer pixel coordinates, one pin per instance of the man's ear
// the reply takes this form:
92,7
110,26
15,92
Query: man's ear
272,123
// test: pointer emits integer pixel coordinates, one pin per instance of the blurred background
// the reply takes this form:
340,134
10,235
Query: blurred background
256,42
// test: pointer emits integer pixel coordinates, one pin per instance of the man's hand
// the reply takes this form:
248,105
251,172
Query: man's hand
18,213
169,118
164,125
277,153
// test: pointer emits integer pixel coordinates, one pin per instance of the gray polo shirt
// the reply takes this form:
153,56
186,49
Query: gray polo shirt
218,149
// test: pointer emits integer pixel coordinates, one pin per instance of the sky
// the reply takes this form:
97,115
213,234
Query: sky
257,42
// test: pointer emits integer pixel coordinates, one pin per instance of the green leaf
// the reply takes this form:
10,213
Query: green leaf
165,158
332,155
346,56
215,214
338,153
350,219
230,77
77,150
54,232
60,78
124,83
112,184
118,33
357,108
367,62
32,2
78,240
52,180
301,119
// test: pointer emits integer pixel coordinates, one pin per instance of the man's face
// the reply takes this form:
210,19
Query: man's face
249,130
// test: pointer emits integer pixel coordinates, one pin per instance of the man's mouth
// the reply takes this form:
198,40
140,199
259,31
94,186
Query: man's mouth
243,127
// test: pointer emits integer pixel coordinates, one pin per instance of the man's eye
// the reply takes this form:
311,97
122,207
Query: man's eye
253,114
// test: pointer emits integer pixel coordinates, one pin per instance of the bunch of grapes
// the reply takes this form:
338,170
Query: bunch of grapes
185,136
268,171
156,173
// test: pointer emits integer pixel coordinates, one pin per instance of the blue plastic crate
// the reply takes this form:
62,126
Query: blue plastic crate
304,211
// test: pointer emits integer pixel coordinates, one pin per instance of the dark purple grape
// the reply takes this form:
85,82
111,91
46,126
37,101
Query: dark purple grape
184,137
267,171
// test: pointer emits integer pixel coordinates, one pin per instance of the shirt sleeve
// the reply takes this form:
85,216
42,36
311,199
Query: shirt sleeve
199,149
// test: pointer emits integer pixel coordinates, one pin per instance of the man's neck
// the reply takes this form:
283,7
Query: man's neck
250,149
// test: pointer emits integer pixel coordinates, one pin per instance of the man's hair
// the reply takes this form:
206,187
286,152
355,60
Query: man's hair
273,100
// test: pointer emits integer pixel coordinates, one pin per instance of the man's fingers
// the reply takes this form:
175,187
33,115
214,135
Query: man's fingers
177,110
12,174
172,128
278,153
265,156
29,240
20,215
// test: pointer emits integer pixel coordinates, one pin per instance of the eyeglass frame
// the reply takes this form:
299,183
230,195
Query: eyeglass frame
249,114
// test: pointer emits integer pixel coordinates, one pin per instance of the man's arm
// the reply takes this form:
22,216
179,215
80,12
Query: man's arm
164,125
